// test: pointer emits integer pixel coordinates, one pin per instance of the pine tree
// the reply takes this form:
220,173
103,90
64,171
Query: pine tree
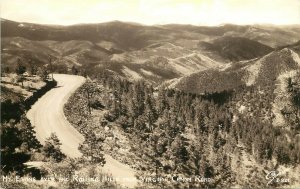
162,102
150,112
18,142
205,168
92,149
27,134
74,70
179,153
20,70
90,89
52,149
9,143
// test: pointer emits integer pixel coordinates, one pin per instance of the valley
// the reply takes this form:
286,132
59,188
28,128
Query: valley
153,53
159,102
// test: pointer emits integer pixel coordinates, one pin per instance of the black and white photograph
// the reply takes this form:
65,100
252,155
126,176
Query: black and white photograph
138,94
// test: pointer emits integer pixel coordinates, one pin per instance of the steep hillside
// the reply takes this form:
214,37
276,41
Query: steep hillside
235,48
259,72
266,70
227,136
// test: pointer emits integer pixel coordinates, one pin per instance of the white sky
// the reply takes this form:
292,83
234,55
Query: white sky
198,12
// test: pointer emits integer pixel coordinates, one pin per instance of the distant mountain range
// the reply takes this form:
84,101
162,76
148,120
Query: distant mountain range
184,56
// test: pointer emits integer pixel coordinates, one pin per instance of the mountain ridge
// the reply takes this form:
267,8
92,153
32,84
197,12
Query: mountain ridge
156,53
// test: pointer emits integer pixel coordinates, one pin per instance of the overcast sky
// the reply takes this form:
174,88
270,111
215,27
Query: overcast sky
198,12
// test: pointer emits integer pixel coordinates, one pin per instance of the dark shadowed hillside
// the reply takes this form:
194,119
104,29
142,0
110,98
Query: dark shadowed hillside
235,48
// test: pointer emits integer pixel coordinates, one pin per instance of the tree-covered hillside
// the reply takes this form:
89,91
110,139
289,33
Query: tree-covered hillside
173,133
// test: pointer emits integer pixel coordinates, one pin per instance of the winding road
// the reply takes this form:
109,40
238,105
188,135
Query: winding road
47,117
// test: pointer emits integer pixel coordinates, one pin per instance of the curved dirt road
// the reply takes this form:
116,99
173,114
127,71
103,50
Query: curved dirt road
47,116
